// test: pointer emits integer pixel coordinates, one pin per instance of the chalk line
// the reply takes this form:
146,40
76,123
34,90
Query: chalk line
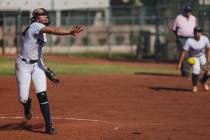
55,118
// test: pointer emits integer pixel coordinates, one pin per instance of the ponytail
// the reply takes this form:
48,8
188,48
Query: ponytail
24,32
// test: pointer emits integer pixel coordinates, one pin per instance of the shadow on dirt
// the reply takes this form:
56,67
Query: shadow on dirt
156,74
22,126
170,89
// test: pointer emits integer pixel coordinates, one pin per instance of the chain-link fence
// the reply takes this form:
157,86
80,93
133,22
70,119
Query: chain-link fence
11,25
144,32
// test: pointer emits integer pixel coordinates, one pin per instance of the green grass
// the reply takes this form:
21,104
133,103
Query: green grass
104,69
7,67
100,55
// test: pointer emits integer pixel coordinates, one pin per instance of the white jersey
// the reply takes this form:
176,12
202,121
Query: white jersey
33,41
197,48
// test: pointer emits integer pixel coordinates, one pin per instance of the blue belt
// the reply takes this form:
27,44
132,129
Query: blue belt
29,61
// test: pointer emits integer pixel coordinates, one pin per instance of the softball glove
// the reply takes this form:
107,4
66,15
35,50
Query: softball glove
206,66
51,75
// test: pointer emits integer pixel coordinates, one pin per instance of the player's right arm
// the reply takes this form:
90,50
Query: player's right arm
185,49
181,59
208,49
61,31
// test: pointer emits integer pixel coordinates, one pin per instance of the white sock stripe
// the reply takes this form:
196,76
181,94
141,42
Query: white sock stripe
44,103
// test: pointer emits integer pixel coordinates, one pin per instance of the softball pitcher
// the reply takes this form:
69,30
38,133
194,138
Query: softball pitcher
29,64
197,47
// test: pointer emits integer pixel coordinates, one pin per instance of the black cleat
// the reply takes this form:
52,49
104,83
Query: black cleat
50,130
27,109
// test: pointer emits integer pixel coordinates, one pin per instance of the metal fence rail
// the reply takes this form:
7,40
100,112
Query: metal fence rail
141,31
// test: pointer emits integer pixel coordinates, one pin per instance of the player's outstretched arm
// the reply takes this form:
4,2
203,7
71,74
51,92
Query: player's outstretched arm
61,31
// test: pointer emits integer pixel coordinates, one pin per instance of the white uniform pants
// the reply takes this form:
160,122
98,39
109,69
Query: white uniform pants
196,68
27,72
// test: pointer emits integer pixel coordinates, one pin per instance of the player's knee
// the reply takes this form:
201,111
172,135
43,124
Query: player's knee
23,100
42,97
196,71
40,88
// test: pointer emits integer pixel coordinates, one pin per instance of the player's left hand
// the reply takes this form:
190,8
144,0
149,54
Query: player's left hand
51,75
76,30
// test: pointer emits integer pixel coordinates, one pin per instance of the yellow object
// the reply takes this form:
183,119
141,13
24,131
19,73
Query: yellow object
191,61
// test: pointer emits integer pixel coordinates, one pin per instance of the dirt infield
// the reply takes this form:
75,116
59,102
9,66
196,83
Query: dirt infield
111,107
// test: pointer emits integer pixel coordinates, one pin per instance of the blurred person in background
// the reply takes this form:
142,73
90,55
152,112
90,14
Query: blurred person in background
183,27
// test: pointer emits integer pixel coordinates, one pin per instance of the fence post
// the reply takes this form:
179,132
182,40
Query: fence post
131,30
108,25
3,42
18,30
157,35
